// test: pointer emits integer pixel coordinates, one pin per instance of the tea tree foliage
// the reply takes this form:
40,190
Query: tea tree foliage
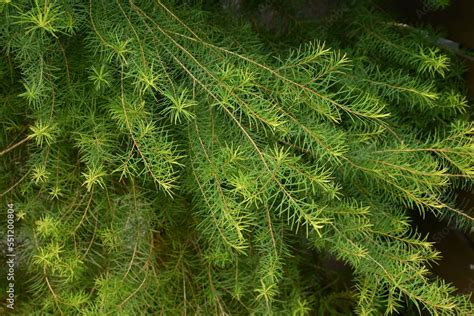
165,163
436,4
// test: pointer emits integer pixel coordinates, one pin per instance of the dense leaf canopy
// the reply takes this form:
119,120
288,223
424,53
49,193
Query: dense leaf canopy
164,162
